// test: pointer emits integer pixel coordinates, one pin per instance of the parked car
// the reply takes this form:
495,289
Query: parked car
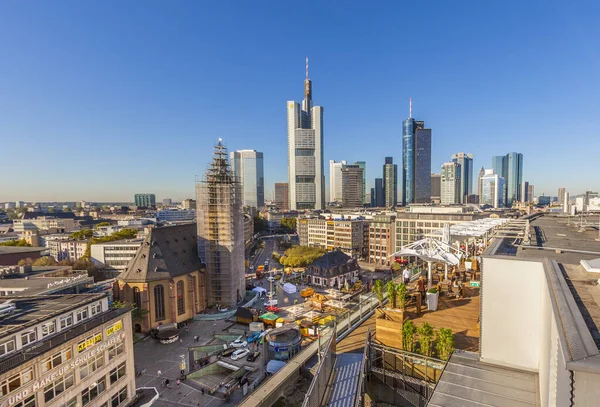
240,353
238,343
253,356
228,352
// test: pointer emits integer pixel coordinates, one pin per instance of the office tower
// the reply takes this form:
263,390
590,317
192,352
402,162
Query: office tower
565,200
335,180
281,196
363,165
390,182
306,176
450,194
561,195
525,191
247,167
492,189
145,200
220,224
416,161
466,174
499,165
530,193
167,202
436,187
481,174
514,177
352,186
379,198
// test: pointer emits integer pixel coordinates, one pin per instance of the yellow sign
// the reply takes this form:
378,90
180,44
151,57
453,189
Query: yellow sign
117,326
89,342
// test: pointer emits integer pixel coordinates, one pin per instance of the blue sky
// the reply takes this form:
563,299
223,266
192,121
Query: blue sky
100,100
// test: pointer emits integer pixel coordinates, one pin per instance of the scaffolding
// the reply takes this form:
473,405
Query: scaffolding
220,224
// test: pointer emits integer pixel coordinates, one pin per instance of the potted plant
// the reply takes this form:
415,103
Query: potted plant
409,331
378,291
468,263
432,299
425,339
390,289
444,343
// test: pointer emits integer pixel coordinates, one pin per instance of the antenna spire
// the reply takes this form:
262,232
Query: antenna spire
306,68
410,113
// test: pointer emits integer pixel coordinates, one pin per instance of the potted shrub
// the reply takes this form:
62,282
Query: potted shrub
390,289
468,264
444,343
378,291
432,299
425,339
409,331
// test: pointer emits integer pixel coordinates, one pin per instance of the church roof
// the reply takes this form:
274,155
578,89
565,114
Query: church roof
332,259
166,252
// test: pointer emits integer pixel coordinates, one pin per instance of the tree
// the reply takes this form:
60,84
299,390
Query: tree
390,288
260,224
425,339
301,256
99,225
118,235
378,291
396,267
18,243
409,331
51,209
288,224
82,234
276,256
44,261
444,343
401,295
67,210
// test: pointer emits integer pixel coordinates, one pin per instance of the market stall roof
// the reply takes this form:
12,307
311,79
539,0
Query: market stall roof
259,289
431,250
269,316
474,228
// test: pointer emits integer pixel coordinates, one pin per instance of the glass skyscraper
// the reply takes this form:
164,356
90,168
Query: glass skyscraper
510,167
466,174
363,165
247,166
408,160
416,161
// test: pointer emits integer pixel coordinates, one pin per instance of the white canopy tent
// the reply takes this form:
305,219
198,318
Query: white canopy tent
431,251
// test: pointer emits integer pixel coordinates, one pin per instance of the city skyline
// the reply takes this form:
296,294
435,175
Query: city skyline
92,99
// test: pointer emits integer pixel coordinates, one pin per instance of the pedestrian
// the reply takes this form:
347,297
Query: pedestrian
158,373
406,275
178,383
167,382
181,341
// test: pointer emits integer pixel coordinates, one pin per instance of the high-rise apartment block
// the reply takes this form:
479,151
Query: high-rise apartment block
335,180
363,165
451,181
525,191
377,194
466,174
282,196
416,161
306,176
145,200
510,167
530,193
220,223
390,183
247,166
436,188
492,189
352,186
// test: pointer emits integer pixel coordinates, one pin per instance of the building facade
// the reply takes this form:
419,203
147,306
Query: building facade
561,196
114,255
335,180
382,239
221,232
66,350
48,224
282,196
422,183
363,166
145,200
247,167
352,186
306,176
334,269
513,178
525,191
436,188
530,192
188,204
175,215
481,174
390,183
71,250
466,174
349,236
492,190
450,181
378,194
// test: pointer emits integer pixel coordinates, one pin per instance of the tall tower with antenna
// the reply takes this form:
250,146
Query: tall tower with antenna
416,161
306,175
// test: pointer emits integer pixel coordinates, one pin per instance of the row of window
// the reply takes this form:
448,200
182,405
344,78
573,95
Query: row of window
159,299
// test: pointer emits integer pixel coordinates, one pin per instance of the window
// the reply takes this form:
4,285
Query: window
13,382
94,364
56,360
159,302
66,321
28,402
137,298
70,403
89,342
55,389
82,314
92,392
28,337
96,308
117,373
180,302
119,398
7,346
115,351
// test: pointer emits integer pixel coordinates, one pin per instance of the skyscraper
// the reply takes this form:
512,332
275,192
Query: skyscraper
363,165
306,176
510,167
436,187
530,193
335,180
481,174
390,183
247,167
492,189
499,165
466,174
145,200
220,224
379,196
525,191
416,161
352,186
281,196
450,183
561,195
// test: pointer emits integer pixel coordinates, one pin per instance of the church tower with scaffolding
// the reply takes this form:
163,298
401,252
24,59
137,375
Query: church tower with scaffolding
220,224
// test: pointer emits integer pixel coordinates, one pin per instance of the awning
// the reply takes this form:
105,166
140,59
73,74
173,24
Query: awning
269,316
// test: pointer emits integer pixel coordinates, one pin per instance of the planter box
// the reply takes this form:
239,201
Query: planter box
432,301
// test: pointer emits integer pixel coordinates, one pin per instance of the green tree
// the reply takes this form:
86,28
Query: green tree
426,334
67,210
44,261
401,295
378,291
390,289
396,267
301,256
118,235
409,331
276,256
288,224
444,343
99,225
18,243
82,234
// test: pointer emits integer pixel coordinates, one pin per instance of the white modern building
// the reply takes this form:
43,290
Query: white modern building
247,166
492,189
175,215
114,255
66,225
451,184
306,177
67,249
335,180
